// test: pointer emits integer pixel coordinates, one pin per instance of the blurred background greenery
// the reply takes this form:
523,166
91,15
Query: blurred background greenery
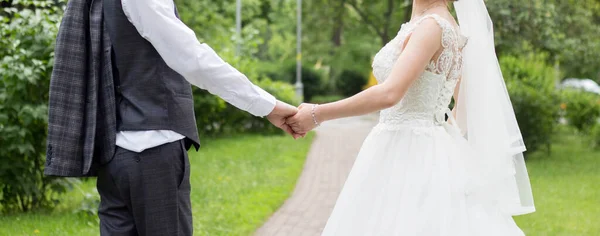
540,43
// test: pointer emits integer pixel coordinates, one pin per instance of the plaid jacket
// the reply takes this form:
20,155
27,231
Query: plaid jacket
82,111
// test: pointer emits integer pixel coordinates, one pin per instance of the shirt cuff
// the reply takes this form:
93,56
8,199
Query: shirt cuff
263,105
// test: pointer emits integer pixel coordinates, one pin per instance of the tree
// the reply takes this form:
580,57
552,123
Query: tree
383,16
567,30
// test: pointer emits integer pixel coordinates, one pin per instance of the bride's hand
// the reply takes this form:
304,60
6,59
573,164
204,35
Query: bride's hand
303,121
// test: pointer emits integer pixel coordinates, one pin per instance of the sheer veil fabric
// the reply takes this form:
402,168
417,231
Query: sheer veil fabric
486,117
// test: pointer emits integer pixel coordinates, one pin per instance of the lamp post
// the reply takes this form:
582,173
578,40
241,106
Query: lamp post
299,86
238,28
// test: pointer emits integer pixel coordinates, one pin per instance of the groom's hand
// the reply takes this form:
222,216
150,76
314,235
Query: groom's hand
279,115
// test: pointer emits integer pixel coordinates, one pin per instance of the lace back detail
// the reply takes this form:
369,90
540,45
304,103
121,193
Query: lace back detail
449,61
426,101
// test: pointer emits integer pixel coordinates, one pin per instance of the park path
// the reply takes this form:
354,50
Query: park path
329,161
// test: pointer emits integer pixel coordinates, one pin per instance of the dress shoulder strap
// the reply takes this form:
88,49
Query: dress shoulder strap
441,21
448,29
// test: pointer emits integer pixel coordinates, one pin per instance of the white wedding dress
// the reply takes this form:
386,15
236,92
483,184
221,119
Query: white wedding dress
410,176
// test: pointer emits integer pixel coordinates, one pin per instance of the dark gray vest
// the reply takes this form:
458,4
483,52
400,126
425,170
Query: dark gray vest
150,95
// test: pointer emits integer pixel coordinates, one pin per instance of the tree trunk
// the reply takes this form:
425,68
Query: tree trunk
384,37
407,11
385,33
338,28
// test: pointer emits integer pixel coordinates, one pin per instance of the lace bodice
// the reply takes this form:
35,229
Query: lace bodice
427,100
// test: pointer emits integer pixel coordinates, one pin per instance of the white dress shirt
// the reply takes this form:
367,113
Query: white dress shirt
198,63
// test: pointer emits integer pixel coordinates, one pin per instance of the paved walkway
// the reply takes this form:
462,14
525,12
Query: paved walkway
328,163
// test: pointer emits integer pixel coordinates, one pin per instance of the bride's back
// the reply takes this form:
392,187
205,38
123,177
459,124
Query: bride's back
427,100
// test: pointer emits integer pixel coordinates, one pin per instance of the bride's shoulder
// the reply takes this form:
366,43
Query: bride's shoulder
446,23
427,32
439,23
427,27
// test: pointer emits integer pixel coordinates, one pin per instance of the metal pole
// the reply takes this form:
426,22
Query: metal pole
299,86
238,28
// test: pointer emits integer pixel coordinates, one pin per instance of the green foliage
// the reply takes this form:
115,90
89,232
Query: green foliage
568,30
26,57
351,82
89,206
265,45
216,117
267,33
595,136
345,34
326,99
531,84
312,80
582,109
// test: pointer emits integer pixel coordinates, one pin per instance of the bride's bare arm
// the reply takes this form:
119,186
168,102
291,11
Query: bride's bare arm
423,44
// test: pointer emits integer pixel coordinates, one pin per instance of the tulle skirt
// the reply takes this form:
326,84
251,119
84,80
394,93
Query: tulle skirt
413,182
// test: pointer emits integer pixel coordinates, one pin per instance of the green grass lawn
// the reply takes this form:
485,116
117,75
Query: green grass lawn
237,183
566,188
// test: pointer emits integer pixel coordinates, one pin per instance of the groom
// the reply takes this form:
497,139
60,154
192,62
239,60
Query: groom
121,109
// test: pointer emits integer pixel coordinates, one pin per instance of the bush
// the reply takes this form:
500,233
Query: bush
312,81
351,82
326,99
26,56
530,82
215,117
311,78
582,109
595,136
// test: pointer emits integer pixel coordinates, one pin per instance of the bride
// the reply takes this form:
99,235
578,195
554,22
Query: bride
417,172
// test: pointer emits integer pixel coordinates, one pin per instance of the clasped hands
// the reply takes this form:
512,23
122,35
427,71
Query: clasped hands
294,121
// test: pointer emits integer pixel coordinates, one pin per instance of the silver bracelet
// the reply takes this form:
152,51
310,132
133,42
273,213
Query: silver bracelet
313,114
